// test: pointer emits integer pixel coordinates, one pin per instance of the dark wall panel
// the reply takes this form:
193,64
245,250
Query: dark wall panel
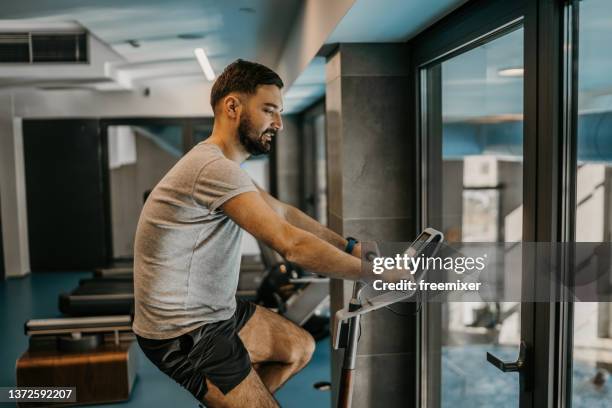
65,165
2,272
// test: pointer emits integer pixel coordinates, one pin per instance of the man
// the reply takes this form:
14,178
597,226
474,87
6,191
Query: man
226,352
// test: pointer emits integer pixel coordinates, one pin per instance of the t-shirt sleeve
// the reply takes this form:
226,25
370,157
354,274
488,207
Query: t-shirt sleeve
219,181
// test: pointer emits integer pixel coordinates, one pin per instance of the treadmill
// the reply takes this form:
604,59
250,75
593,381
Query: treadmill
111,290
120,269
98,299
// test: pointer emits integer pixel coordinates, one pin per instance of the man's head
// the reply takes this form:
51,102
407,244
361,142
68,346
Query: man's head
249,95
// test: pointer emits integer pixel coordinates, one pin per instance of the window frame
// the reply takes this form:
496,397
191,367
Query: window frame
550,117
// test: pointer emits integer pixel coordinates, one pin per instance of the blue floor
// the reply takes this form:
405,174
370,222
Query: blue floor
36,297
469,381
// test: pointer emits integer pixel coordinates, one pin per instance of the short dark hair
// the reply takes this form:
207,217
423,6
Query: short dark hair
242,76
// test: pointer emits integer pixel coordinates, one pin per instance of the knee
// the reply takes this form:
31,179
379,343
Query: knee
305,348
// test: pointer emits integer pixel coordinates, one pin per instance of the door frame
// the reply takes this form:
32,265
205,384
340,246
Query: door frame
550,57
187,125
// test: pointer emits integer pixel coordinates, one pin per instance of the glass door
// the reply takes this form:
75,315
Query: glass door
472,104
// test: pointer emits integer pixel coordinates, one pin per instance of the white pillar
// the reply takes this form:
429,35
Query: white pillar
12,192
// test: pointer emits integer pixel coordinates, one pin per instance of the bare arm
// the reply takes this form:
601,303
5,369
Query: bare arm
302,221
299,246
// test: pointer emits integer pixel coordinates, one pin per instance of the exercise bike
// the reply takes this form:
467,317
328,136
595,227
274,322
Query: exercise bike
346,333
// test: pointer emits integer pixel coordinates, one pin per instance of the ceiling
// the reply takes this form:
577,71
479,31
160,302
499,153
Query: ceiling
472,85
368,21
153,41
140,43
390,20
156,39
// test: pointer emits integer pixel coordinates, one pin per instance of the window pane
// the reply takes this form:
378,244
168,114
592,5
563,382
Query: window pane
481,178
592,351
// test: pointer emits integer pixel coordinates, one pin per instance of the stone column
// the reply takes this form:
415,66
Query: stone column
372,196
287,151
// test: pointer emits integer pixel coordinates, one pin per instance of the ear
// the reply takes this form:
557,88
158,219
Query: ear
232,106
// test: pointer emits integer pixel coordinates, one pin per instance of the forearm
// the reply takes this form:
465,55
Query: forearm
321,257
302,221
295,244
298,219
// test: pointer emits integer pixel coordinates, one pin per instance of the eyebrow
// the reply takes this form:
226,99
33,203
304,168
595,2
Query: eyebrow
273,105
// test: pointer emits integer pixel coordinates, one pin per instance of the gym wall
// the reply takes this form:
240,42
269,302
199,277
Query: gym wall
286,162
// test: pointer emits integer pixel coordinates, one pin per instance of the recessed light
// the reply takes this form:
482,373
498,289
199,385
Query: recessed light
191,36
511,72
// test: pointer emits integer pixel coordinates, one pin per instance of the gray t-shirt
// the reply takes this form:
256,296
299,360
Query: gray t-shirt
187,251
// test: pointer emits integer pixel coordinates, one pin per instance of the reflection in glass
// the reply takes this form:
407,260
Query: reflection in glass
592,353
481,201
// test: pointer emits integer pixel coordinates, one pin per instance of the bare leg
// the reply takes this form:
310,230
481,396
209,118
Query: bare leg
277,347
251,392
274,375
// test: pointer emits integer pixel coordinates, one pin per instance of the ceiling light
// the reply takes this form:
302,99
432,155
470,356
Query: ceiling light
511,72
204,63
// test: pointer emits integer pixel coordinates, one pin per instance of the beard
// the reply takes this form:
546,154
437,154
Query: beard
255,144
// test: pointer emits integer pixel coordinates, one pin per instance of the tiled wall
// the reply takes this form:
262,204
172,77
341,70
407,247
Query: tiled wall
372,196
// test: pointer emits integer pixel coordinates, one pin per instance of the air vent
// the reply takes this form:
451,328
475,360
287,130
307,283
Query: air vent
34,48
14,47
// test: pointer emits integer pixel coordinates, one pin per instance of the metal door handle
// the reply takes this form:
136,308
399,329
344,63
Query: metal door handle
509,367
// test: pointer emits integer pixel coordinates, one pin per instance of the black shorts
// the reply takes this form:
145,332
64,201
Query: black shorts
213,351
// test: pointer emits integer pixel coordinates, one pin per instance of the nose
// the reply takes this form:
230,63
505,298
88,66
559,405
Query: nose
278,122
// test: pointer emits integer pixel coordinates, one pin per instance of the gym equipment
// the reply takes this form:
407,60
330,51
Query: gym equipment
118,269
251,263
99,297
111,290
252,271
346,333
114,272
300,296
309,308
97,355
303,304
